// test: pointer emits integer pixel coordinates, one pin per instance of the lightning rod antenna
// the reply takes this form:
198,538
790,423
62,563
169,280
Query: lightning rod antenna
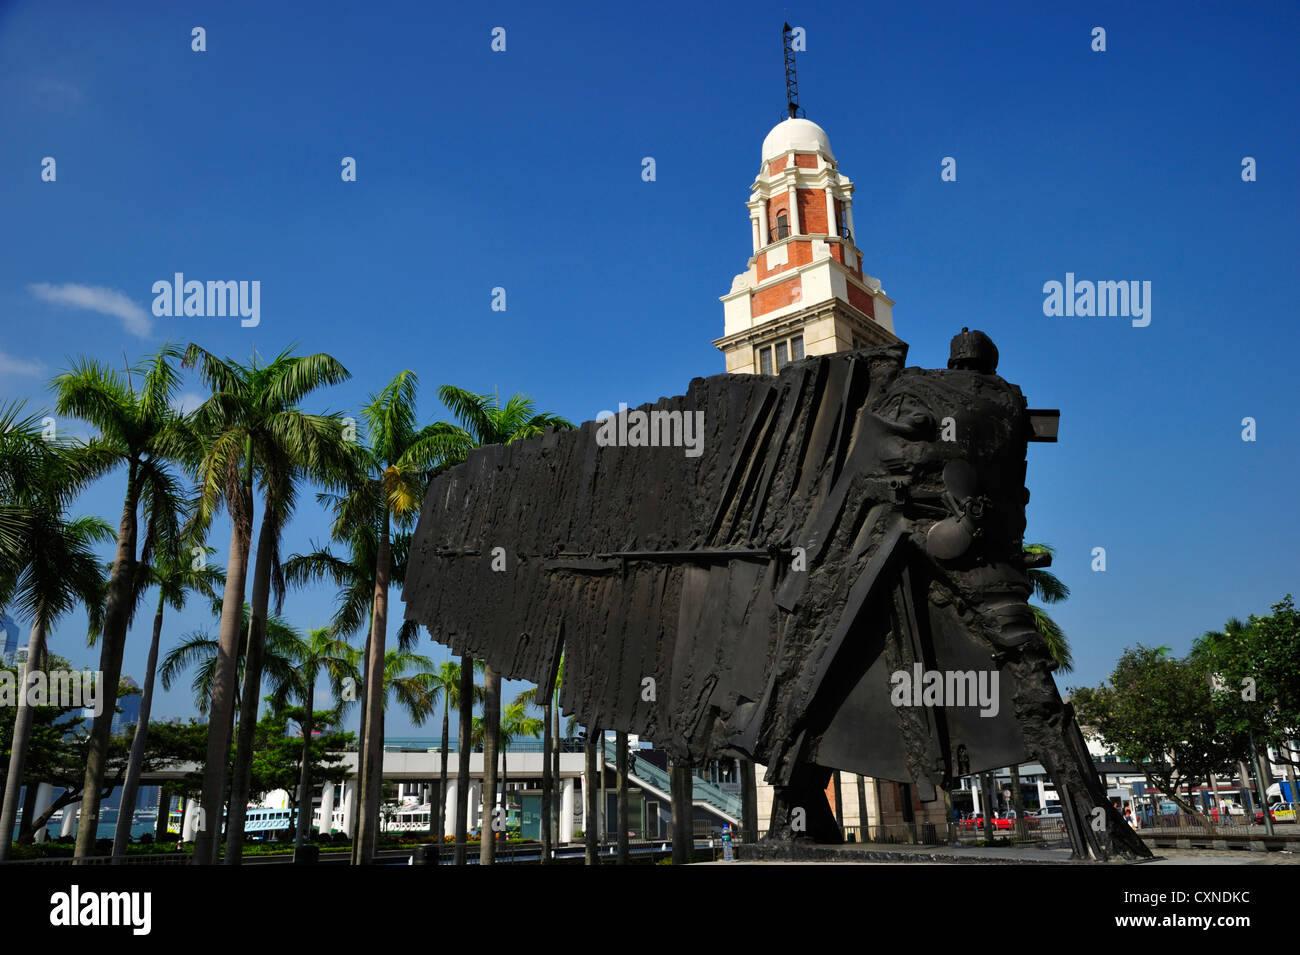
791,80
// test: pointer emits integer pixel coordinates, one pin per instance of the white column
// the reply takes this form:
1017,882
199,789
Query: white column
830,213
473,810
762,226
44,796
566,811
69,827
754,228
1042,795
191,819
794,211
450,803
848,214
326,809
349,794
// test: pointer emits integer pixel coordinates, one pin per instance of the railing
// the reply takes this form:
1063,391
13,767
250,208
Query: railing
702,789
1227,825
419,744
160,858
640,851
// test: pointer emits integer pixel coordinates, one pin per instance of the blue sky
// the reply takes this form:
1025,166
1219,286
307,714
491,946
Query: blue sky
522,170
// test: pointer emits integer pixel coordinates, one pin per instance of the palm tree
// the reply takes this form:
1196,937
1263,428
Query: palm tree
515,724
47,562
485,421
61,572
175,576
445,687
1049,589
322,652
550,707
354,575
252,429
201,652
142,431
385,487
407,679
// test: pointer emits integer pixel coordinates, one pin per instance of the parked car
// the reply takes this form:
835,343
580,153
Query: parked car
1051,817
1279,811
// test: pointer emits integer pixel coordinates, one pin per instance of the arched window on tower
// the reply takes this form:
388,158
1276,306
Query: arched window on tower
782,230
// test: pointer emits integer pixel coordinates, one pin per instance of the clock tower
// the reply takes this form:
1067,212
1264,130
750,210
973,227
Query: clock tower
804,292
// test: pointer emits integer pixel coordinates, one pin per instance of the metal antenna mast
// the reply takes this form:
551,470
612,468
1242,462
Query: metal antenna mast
791,81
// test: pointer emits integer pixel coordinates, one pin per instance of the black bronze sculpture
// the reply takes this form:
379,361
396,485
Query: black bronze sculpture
844,532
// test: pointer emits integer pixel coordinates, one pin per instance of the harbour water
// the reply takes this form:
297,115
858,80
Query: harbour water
107,825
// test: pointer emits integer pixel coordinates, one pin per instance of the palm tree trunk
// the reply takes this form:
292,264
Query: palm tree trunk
546,782
355,806
442,777
1017,801
620,762
590,835
683,812
505,799
251,696
221,708
18,748
131,786
555,766
26,831
372,769
748,802
839,803
304,778
112,642
986,785
491,729
464,731
864,821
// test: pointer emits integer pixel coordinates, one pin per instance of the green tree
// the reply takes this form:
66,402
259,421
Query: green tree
199,652
484,421
253,430
320,654
279,755
385,487
53,568
141,431
445,686
1050,590
1158,713
1257,684
354,575
175,574
515,724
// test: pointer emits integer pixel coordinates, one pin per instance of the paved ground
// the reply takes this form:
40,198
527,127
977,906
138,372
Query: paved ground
996,855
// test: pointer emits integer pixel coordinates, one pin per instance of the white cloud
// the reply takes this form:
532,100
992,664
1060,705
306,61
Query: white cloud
96,298
187,401
59,91
9,365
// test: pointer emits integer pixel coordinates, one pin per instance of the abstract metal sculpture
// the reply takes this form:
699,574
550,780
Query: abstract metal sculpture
842,528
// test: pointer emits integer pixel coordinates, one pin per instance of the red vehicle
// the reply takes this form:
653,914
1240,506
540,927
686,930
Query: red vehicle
1002,821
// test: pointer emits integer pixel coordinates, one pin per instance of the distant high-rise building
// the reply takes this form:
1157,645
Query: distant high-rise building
125,721
8,638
